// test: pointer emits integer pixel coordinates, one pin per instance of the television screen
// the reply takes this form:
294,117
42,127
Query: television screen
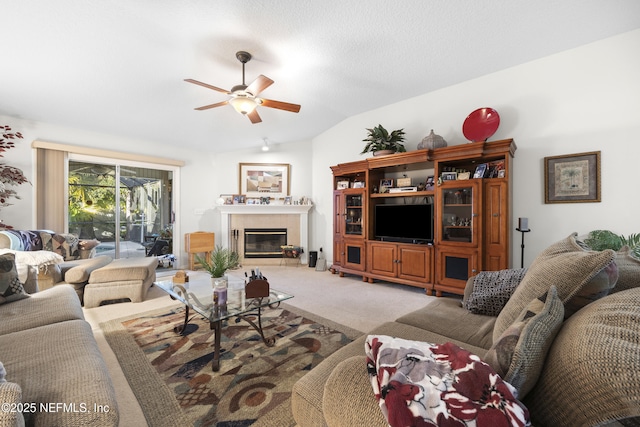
404,223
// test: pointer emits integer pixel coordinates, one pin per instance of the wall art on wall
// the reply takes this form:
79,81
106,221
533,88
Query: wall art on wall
264,179
572,178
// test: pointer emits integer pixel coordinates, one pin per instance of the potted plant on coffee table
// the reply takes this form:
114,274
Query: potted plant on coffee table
222,259
381,142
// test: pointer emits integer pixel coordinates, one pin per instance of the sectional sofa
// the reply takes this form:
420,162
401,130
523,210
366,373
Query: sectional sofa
566,337
51,370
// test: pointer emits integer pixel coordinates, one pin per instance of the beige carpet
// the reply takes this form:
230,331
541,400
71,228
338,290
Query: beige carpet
348,301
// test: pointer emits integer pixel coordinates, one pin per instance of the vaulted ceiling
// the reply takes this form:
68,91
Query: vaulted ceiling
119,66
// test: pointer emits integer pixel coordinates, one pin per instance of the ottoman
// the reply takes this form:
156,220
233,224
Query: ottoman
125,278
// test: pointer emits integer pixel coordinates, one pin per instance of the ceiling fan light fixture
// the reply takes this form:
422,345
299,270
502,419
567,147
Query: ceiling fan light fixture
243,104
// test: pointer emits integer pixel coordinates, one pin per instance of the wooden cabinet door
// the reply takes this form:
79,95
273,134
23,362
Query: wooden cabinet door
459,213
383,258
338,253
454,267
415,263
496,225
338,209
353,254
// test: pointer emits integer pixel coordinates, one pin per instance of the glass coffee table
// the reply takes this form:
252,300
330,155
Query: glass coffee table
197,295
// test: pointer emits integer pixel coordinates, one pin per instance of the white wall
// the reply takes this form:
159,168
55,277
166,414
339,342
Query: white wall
585,99
223,178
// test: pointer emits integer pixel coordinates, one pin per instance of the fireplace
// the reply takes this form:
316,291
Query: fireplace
264,242
294,218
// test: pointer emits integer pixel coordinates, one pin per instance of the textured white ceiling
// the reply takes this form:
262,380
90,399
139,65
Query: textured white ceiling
118,66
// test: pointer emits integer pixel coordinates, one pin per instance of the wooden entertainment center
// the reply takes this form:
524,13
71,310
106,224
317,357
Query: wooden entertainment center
471,213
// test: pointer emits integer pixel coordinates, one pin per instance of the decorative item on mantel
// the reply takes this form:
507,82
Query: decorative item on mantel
481,124
432,141
382,142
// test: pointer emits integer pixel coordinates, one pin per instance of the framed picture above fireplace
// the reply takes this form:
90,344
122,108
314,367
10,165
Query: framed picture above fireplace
264,179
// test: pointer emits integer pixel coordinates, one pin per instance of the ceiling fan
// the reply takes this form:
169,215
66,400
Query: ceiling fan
245,98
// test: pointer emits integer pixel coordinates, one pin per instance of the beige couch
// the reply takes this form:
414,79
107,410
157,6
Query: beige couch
55,373
75,273
589,377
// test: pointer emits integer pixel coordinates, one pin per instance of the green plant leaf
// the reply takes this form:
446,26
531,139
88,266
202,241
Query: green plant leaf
222,259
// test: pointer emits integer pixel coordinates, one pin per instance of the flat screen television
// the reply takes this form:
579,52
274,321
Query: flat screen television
404,223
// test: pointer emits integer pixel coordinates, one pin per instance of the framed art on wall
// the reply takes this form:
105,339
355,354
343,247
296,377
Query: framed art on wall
264,179
572,178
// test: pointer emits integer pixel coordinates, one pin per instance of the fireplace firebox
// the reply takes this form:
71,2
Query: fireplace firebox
264,242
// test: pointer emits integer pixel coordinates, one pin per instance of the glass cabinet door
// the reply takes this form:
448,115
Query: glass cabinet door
458,213
353,214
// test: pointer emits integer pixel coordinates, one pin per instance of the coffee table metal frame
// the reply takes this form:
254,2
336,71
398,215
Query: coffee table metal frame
239,308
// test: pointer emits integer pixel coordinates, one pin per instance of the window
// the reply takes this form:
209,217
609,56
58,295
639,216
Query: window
122,200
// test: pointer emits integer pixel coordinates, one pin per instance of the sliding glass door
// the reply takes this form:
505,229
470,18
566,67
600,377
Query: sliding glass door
127,206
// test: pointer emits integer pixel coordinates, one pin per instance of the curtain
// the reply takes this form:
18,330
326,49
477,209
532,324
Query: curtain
51,190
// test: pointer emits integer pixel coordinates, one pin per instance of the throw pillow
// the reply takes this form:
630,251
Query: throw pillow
628,270
418,383
564,264
598,287
88,244
3,373
592,371
11,289
519,354
492,290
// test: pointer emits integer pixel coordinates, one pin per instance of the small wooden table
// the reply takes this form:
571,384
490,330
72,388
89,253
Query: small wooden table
197,295
200,242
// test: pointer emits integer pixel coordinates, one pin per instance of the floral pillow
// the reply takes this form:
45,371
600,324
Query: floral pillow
417,383
11,289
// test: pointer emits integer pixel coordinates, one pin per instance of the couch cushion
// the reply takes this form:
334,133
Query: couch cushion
349,383
57,304
628,270
593,359
416,381
519,354
307,393
61,363
11,394
11,288
124,269
598,287
475,329
491,290
564,264
79,271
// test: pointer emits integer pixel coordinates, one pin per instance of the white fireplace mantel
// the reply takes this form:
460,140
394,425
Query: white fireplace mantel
302,210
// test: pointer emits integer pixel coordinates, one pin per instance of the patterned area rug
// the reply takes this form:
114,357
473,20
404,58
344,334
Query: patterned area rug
172,378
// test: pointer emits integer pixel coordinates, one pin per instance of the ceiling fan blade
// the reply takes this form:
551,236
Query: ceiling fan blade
294,108
217,104
195,82
254,117
259,84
